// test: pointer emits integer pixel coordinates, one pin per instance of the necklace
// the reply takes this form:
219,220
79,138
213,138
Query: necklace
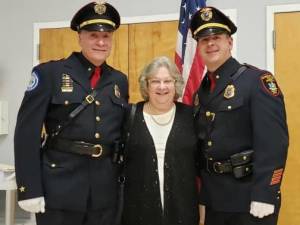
162,119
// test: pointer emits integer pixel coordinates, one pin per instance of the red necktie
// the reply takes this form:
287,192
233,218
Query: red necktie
212,79
95,77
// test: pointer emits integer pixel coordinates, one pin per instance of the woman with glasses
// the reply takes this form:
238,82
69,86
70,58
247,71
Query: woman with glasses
160,162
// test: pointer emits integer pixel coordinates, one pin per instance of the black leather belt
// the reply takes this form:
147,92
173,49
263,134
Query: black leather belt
239,164
218,167
79,147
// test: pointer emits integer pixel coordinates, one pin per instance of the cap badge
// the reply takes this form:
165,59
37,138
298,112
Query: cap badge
229,91
117,91
206,14
100,7
66,83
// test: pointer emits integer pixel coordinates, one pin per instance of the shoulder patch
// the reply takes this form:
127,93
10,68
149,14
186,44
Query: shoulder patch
270,85
34,81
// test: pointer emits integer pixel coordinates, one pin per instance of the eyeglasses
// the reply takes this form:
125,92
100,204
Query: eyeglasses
157,82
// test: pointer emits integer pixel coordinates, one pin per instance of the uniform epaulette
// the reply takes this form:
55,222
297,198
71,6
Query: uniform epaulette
256,68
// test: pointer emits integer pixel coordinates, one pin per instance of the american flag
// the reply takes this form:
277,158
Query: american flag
188,62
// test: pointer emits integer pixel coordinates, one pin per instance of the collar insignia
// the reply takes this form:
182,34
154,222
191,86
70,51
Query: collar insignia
196,100
117,91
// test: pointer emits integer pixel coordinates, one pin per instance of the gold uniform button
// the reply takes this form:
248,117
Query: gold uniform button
98,118
207,113
229,107
217,77
66,102
97,102
209,143
97,135
89,69
53,165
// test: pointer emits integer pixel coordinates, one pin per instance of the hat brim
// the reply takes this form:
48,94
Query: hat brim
99,27
210,31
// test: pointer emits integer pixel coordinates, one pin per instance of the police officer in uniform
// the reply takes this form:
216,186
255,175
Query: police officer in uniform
80,100
241,124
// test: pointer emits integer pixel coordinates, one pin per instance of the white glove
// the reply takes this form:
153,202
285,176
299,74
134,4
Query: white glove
33,205
261,209
202,213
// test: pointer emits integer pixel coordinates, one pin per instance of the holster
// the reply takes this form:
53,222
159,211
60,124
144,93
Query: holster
241,163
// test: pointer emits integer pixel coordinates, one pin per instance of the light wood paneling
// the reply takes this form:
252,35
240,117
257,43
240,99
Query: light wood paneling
146,41
287,67
57,43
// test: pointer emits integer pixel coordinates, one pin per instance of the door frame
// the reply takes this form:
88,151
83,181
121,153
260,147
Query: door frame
232,13
270,14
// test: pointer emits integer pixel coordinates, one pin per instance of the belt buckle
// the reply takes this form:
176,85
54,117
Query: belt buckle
100,151
215,165
89,99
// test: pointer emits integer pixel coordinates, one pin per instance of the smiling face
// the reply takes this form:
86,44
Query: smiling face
161,89
215,50
96,46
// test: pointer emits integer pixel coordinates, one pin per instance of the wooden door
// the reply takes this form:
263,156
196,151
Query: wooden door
134,46
287,69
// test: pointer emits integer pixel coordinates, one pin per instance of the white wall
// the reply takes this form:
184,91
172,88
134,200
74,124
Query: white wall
16,39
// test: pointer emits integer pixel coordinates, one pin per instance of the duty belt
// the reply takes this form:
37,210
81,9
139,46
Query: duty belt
240,165
79,147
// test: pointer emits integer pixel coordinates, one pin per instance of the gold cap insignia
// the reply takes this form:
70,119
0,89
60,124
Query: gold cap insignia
66,83
229,91
117,91
206,14
100,7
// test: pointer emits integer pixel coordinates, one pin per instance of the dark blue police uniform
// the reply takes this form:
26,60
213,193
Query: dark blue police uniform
66,179
241,124
74,170
240,116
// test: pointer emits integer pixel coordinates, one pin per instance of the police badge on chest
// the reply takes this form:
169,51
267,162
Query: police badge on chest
229,91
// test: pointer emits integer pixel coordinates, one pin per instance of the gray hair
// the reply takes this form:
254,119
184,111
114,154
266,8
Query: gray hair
152,68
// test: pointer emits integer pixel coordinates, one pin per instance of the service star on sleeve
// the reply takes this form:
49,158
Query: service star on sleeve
22,189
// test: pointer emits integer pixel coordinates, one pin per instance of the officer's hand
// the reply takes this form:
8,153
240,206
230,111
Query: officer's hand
33,205
261,209
202,213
